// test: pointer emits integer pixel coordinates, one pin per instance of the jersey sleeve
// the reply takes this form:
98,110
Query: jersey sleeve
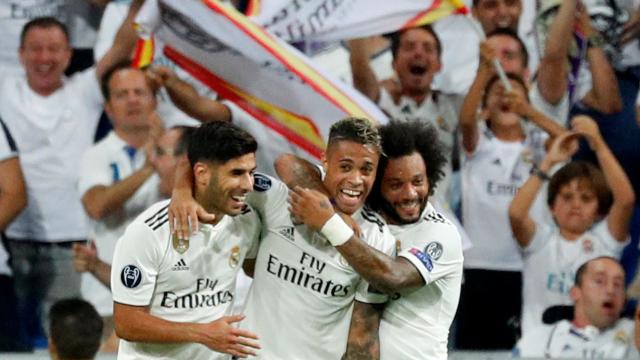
615,247
438,254
86,83
253,235
94,171
136,264
269,197
542,234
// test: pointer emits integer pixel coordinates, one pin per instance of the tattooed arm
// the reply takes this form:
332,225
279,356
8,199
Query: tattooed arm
363,342
295,171
383,272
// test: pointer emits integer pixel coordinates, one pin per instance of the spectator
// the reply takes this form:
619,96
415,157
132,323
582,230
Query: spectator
460,57
169,148
13,199
596,330
52,119
557,77
117,179
586,223
498,157
75,330
15,14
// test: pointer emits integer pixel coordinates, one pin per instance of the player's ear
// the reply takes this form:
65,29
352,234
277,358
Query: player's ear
201,174
325,163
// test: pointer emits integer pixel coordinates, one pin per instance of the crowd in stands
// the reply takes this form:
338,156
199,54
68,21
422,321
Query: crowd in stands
542,177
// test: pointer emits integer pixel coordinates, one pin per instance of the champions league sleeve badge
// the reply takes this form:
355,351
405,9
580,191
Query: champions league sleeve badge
130,276
179,245
434,250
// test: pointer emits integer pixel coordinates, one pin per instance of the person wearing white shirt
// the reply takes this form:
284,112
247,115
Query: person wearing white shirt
117,179
53,120
424,280
172,296
586,223
596,330
499,153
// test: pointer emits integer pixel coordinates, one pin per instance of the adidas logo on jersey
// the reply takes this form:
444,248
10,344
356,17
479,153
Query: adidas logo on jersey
180,265
287,232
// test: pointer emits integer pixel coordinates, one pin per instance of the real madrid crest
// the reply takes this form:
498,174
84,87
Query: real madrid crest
234,258
180,245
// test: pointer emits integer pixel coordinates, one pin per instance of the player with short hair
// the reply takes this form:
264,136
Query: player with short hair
425,278
171,295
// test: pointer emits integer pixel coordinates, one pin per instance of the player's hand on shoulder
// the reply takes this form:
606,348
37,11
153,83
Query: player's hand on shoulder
185,213
222,336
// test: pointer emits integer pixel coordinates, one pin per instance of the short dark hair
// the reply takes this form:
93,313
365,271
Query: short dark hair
356,129
219,142
75,329
404,138
110,73
514,35
496,78
583,171
396,36
583,268
43,22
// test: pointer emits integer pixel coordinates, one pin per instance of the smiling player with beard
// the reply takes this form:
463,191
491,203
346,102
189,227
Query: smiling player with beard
425,277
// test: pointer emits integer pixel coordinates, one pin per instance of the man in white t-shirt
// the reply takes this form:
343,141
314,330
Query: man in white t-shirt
596,331
13,198
425,278
53,120
117,179
172,295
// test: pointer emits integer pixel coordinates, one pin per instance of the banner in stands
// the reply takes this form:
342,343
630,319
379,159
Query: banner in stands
329,20
246,64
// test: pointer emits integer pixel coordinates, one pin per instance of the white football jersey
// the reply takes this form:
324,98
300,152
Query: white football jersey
180,281
415,324
302,295
564,340
491,176
550,265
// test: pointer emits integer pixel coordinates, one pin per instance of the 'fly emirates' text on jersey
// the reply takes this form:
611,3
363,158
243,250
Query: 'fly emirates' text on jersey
302,295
